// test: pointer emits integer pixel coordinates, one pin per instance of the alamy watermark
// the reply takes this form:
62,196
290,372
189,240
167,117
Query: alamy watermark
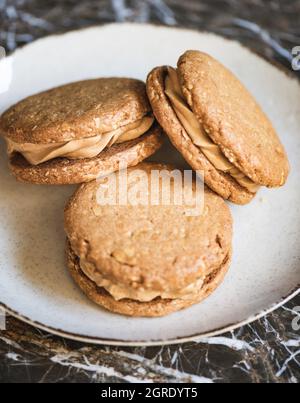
296,58
2,319
2,52
296,320
6,71
159,187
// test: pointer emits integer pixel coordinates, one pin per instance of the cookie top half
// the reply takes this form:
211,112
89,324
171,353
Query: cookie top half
159,247
74,111
233,119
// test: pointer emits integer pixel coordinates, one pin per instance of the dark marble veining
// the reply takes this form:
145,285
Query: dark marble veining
265,351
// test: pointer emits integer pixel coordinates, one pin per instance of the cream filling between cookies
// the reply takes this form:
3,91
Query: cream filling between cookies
89,147
198,134
119,291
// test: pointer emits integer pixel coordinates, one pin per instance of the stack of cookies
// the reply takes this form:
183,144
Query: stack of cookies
145,256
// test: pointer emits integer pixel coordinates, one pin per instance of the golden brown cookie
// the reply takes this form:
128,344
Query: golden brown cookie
147,260
217,126
74,133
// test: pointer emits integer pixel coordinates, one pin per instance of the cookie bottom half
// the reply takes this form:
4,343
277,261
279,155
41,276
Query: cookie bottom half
157,307
220,182
62,171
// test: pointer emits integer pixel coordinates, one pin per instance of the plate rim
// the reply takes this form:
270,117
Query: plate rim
172,341
152,343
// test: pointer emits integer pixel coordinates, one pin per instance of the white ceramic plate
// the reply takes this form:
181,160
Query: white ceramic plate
34,284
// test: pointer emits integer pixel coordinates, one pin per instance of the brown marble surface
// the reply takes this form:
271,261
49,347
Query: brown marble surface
265,351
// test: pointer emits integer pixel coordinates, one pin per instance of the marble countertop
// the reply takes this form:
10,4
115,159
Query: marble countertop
265,351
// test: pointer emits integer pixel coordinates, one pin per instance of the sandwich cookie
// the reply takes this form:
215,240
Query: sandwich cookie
147,259
80,131
218,127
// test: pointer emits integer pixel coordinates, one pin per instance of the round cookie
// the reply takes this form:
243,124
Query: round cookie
79,131
147,259
217,126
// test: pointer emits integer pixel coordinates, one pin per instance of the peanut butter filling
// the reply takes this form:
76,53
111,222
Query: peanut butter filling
119,291
198,134
89,147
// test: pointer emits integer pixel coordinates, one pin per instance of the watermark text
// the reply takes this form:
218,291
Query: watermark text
296,58
296,320
2,319
2,52
137,187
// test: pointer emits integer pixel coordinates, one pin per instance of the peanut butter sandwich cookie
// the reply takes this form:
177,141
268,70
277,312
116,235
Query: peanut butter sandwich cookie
79,131
150,258
217,126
